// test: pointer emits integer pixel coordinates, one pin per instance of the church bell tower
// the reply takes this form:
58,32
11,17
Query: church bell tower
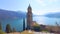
29,17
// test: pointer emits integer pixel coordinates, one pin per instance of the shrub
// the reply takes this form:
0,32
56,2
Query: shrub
8,28
36,28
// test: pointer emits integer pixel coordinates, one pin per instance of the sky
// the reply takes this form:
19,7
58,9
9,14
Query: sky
39,7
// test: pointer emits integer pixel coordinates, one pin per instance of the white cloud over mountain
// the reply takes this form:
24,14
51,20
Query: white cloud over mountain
46,6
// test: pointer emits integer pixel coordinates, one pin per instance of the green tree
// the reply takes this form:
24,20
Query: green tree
8,28
36,28
0,26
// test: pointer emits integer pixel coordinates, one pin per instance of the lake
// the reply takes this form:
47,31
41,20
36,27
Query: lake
18,23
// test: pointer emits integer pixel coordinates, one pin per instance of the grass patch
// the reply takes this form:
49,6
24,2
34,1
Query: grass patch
1,32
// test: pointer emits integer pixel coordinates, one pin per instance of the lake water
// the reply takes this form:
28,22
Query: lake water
46,20
18,23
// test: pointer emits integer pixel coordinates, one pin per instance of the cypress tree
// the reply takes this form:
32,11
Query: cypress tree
23,24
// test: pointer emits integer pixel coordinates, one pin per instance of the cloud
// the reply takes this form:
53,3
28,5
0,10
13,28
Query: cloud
45,2
41,2
45,11
39,12
46,6
52,0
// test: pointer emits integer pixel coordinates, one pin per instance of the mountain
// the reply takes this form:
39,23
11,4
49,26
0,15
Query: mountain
53,15
14,18
12,14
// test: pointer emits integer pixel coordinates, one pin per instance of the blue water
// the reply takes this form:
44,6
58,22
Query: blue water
46,20
14,23
18,23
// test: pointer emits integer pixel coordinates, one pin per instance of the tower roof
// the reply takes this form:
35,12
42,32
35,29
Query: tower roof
29,6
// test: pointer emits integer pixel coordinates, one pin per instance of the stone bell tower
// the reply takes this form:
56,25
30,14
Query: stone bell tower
29,17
